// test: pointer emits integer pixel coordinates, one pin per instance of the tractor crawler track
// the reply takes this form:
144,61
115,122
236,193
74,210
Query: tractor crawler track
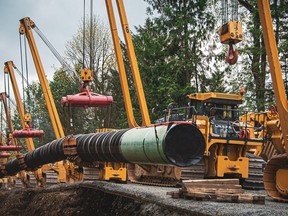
253,182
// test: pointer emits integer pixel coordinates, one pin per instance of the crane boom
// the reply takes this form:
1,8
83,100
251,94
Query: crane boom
276,171
134,66
9,68
3,98
123,78
26,26
275,68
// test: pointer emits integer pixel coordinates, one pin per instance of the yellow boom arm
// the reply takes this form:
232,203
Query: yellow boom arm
9,68
275,68
26,26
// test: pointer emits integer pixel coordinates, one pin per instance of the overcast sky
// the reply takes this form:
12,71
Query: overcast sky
58,20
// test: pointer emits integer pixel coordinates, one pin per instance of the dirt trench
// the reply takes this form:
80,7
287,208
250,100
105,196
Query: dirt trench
74,201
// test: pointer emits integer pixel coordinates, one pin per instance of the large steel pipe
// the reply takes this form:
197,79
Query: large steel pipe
176,144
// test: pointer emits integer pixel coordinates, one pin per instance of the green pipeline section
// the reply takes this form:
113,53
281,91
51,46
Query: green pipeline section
179,144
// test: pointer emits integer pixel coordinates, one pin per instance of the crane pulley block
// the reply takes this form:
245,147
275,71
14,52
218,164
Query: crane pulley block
231,32
27,117
86,75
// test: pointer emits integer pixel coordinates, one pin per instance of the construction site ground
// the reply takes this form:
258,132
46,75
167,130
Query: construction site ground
106,198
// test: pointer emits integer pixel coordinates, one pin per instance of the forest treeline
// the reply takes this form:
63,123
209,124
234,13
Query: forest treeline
178,52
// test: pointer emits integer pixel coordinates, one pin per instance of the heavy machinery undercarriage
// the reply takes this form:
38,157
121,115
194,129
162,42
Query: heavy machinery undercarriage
229,137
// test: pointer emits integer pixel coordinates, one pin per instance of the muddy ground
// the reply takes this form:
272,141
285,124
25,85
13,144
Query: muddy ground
103,198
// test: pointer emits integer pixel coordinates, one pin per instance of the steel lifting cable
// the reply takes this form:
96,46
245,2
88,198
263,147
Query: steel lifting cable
13,103
224,5
8,93
64,64
91,35
21,53
22,69
234,10
1,118
20,73
84,34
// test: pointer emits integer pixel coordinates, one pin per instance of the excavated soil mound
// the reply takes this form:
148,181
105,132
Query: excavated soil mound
73,200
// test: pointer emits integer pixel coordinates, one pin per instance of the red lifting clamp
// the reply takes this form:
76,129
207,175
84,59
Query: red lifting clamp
28,132
4,155
87,99
10,148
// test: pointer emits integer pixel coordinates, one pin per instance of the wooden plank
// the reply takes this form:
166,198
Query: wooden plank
251,198
201,196
213,181
190,185
216,190
227,197
219,197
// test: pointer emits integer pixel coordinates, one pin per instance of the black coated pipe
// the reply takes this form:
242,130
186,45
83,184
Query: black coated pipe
175,144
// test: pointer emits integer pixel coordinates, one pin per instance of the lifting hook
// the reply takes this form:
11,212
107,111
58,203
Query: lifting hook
232,54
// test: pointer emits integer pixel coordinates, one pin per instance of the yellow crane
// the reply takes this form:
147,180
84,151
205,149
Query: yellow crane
9,69
26,26
11,140
148,171
276,171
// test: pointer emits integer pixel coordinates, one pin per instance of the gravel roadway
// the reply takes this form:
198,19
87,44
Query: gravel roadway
157,195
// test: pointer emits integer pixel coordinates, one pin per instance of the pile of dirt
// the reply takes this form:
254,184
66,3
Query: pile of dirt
73,200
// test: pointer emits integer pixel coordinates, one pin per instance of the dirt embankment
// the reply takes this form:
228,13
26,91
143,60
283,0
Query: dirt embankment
73,200
106,198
